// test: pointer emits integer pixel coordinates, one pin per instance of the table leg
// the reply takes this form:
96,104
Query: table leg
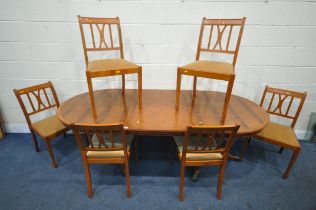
196,174
178,88
233,157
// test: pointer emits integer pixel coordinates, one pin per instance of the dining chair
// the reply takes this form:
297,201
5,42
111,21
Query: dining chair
214,69
36,99
98,28
209,147
279,102
103,144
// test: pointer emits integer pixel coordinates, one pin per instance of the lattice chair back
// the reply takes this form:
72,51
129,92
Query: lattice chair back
281,101
209,139
98,34
100,137
36,99
220,37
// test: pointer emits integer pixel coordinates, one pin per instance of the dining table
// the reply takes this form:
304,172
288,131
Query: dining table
158,115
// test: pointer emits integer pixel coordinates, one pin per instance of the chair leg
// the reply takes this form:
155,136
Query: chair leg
292,161
140,90
123,84
51,154
128,184
35,141
88,177
227,98
281,150
220,180
178,88
244,147
181,182
194,86
91,96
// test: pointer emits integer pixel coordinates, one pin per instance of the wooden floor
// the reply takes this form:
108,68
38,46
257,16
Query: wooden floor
159,116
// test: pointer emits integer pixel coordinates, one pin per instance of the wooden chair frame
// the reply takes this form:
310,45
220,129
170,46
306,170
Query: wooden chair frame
103,46
217,48
99,130
41,106
282,95
226,131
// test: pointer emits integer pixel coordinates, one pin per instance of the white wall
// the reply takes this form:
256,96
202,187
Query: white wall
40,41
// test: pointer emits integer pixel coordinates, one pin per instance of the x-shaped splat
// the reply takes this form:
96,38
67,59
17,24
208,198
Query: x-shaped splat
39,100
101,33
220,33
279,105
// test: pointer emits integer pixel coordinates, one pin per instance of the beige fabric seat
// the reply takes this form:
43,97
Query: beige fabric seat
195,156
110,154
280,134
49,127
222,68
110,65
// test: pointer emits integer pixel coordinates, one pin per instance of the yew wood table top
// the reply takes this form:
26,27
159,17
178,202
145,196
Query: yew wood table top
159,116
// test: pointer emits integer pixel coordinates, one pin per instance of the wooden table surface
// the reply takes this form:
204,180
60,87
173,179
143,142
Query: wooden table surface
159,116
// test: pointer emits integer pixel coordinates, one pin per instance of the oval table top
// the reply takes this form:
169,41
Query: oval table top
159,116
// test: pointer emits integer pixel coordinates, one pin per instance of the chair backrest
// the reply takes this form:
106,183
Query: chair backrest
95,137
37,98
281,108
217,33
97,29
209,139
